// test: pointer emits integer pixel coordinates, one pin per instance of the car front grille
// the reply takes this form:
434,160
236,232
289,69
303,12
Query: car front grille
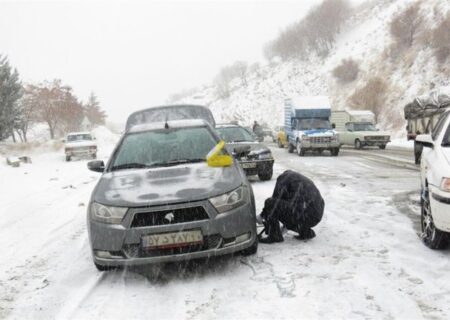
169,217
209,242
319,140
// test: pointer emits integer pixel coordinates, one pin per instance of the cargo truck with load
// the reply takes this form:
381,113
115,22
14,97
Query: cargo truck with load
307,125
423,113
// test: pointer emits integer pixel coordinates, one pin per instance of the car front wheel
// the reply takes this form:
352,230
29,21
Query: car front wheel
382,147
300,150
431,237
280,145
358,144
68,158
265,175
251,250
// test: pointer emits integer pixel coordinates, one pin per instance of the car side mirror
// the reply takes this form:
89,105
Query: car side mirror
216,157
96,165
425,140
333,125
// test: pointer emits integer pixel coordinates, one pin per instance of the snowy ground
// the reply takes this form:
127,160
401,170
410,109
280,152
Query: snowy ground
367,260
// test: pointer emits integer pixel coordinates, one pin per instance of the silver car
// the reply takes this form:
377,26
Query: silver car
158,200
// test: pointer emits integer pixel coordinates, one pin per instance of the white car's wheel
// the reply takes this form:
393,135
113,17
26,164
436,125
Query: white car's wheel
432,237
300,150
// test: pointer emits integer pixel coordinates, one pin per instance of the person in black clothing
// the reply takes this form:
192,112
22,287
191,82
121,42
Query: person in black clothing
296,203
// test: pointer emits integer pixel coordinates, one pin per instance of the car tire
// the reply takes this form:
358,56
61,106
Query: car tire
280,145
101,267
265,175
68,158
432,237
94,156
253,249
290,148
334,152
358,144
300,151
382,147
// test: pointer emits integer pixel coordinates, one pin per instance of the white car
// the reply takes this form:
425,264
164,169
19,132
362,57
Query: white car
80,144
435,181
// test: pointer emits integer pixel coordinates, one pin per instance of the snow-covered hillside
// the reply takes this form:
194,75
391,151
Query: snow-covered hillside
365,38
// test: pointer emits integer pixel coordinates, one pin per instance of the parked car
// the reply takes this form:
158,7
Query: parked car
362,134
279,136
435,181
170,192
80,144
254,157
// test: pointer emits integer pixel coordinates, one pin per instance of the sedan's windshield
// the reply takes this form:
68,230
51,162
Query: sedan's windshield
235,134
314,123
163,148
364,127
79,137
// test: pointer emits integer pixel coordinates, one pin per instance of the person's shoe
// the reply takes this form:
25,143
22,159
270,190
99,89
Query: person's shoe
306,234
269,240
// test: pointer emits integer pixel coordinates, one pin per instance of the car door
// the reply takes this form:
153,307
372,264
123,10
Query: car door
347,134
433,158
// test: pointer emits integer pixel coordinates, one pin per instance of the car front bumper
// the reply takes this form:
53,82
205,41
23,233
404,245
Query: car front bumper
320,146
120,245
80,152
440,208
378,142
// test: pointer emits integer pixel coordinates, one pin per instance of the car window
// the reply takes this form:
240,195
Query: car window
235,134
314,123
79,137
364,127
438,128
163,146
446,140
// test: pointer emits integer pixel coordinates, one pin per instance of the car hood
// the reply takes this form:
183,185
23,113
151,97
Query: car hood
148,187
319,133
236,148
77,144
373,133
446,153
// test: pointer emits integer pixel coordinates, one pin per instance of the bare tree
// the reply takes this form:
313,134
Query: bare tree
372,96
406,24
441,40
347,71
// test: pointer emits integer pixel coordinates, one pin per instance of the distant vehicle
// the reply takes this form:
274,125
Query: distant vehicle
254,157
307,124
279,136
435,181
170,192
80,144
356,128
422,115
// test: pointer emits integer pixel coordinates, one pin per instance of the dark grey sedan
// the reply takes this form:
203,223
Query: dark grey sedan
159,201
254,157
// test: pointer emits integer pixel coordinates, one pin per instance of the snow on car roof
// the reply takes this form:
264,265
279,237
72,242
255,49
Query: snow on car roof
360,112
172,124
310,102
227,125
77,133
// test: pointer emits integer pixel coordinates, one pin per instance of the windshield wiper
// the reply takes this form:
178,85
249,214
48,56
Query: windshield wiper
180,161
133,165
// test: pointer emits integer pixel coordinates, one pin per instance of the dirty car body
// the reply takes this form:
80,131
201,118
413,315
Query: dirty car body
254,157
158,200
80,144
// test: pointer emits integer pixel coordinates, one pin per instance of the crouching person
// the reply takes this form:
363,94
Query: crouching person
296,203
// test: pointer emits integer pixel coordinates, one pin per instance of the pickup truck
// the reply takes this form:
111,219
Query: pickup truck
307,125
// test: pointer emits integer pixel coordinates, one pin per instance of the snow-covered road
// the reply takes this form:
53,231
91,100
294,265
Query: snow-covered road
367,260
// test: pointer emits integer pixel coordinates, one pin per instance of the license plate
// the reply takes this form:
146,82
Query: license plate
172,240
249,165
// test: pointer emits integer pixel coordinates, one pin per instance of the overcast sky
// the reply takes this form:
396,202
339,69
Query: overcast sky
134,54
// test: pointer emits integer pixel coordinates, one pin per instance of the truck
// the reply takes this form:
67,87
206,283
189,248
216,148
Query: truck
307,125
422,115
357,128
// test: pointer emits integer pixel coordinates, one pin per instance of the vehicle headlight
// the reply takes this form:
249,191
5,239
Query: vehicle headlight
445,184
230,200
106,214
305,138
265,156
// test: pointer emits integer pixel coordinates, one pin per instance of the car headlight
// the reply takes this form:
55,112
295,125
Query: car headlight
445,184
230,200
265,156
106,214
